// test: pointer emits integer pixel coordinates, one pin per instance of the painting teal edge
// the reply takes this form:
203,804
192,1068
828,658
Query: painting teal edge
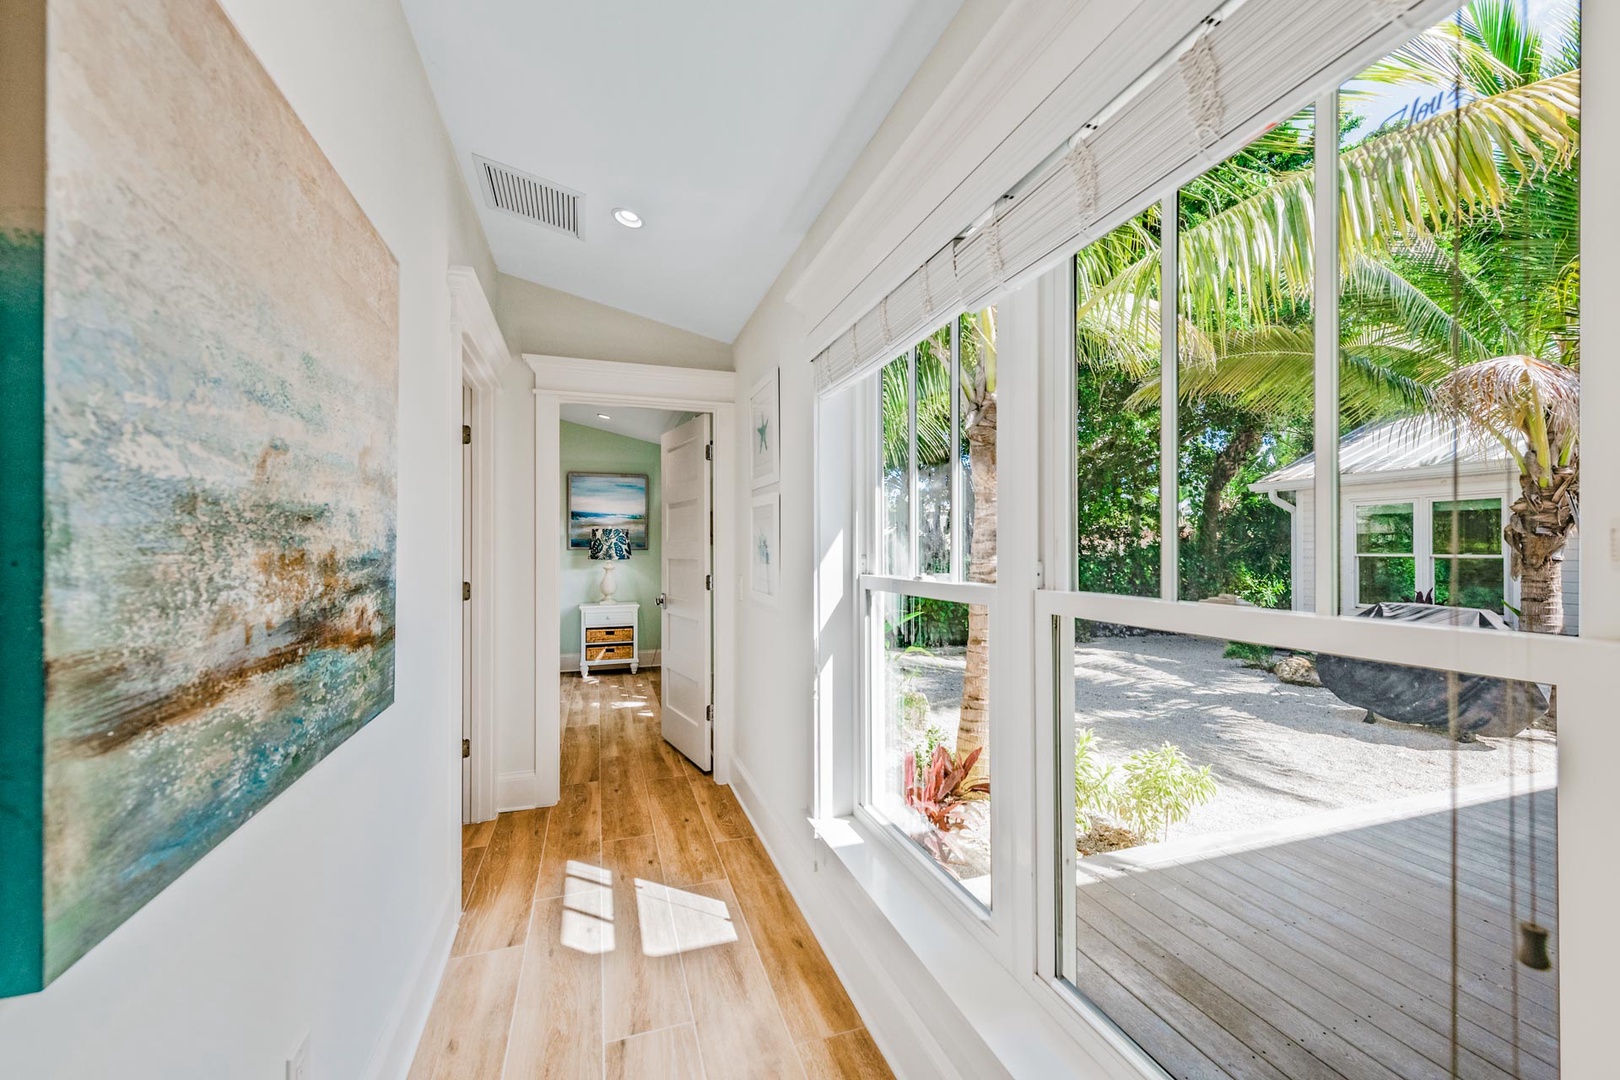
22,633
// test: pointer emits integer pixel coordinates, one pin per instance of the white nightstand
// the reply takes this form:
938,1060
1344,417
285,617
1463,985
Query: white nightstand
609,634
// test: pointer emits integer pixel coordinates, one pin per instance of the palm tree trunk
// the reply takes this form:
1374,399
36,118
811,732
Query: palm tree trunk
973,725
1536,533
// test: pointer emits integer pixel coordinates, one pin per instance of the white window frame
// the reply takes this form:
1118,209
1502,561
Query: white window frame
1424,556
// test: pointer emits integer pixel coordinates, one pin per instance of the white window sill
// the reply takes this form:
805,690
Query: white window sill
1032,1028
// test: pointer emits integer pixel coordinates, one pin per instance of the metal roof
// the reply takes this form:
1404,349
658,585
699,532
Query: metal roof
1421,445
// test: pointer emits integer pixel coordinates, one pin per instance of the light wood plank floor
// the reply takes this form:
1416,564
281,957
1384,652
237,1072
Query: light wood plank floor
635,930
1330,955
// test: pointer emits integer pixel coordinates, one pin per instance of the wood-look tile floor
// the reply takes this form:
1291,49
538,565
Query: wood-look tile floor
635,930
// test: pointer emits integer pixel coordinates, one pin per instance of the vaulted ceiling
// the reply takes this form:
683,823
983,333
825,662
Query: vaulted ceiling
726,124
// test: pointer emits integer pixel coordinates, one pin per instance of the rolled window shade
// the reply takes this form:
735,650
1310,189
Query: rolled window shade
1252,64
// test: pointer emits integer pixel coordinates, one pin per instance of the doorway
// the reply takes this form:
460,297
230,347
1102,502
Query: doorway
636,567
685,417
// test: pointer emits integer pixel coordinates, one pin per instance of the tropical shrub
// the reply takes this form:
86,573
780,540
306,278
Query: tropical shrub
1093,782
939,790
1161,787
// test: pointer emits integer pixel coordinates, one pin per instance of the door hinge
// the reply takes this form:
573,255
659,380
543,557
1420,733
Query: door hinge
708,582
466,748
708,452
466,434
466,590
708,714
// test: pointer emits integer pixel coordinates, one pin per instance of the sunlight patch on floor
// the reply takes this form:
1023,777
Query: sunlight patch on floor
675,921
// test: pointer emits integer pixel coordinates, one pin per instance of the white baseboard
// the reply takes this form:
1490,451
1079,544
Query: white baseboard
517,791
907,1013
396,1046
569,661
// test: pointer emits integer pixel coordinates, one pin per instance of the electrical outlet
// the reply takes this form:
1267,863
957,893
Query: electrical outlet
298,1064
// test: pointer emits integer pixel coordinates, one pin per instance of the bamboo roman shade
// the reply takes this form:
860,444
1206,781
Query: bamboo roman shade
1249,64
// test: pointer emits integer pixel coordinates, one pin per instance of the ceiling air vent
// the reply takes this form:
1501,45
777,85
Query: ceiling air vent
531,198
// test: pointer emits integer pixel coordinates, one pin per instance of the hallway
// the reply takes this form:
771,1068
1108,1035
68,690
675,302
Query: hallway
637,929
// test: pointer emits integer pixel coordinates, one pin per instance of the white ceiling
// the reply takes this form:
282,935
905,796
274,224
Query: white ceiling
643,424
726,124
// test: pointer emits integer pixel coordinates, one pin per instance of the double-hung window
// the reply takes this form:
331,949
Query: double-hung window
927,736
1248,841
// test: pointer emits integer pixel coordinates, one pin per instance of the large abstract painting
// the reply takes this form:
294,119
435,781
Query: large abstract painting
219,375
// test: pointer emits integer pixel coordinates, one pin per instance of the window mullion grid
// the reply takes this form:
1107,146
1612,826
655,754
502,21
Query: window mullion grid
1169,396
958,508
1325,331
912,499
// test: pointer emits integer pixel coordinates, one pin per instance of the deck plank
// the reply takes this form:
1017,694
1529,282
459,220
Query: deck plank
1328,954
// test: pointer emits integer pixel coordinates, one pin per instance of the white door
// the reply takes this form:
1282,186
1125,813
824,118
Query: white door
688,507
466,602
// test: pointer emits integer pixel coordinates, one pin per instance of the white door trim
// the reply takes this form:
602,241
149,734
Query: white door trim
478,352
559,380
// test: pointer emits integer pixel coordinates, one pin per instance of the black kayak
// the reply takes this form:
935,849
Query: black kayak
1415,695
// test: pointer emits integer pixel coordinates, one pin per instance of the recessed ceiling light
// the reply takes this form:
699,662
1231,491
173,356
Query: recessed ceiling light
627,217
603,416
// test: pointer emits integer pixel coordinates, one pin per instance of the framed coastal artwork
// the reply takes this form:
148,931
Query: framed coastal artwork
607,501
764,438
765,548
199,519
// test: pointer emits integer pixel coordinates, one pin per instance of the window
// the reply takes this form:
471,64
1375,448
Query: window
1240,821
928,714
1413,551
1259,830
1117,351
1474,560
1386,564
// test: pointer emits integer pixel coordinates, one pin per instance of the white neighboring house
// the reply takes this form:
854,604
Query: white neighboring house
1397,485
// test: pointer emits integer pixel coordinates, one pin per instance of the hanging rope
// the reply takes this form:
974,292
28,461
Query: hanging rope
928,293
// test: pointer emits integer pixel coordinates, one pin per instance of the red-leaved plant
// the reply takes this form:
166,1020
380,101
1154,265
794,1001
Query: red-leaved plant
940,789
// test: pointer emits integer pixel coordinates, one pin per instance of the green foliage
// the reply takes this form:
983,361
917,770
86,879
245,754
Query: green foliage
926,623
1160,788
1255,656
1093,782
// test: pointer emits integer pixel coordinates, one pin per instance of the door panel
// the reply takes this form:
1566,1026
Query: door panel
688,614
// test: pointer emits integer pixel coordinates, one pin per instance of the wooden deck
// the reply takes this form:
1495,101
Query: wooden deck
1329,953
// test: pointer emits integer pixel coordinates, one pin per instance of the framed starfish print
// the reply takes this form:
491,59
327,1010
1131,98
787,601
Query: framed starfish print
764,438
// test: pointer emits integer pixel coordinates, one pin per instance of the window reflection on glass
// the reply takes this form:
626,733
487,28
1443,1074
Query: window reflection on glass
1265,866
930,765
1116,345
895,388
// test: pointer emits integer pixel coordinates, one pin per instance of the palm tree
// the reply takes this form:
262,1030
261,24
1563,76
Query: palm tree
1459,266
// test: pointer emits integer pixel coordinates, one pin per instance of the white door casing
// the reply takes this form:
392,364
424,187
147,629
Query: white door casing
467,548
687,612
478,352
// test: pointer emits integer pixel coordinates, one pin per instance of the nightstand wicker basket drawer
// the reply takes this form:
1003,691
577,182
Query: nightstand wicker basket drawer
610,634
595,655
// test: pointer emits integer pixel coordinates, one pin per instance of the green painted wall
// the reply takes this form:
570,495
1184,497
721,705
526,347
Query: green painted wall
585,449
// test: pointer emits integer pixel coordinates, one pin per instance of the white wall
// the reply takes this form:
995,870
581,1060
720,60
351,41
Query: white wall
330,908
547,322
